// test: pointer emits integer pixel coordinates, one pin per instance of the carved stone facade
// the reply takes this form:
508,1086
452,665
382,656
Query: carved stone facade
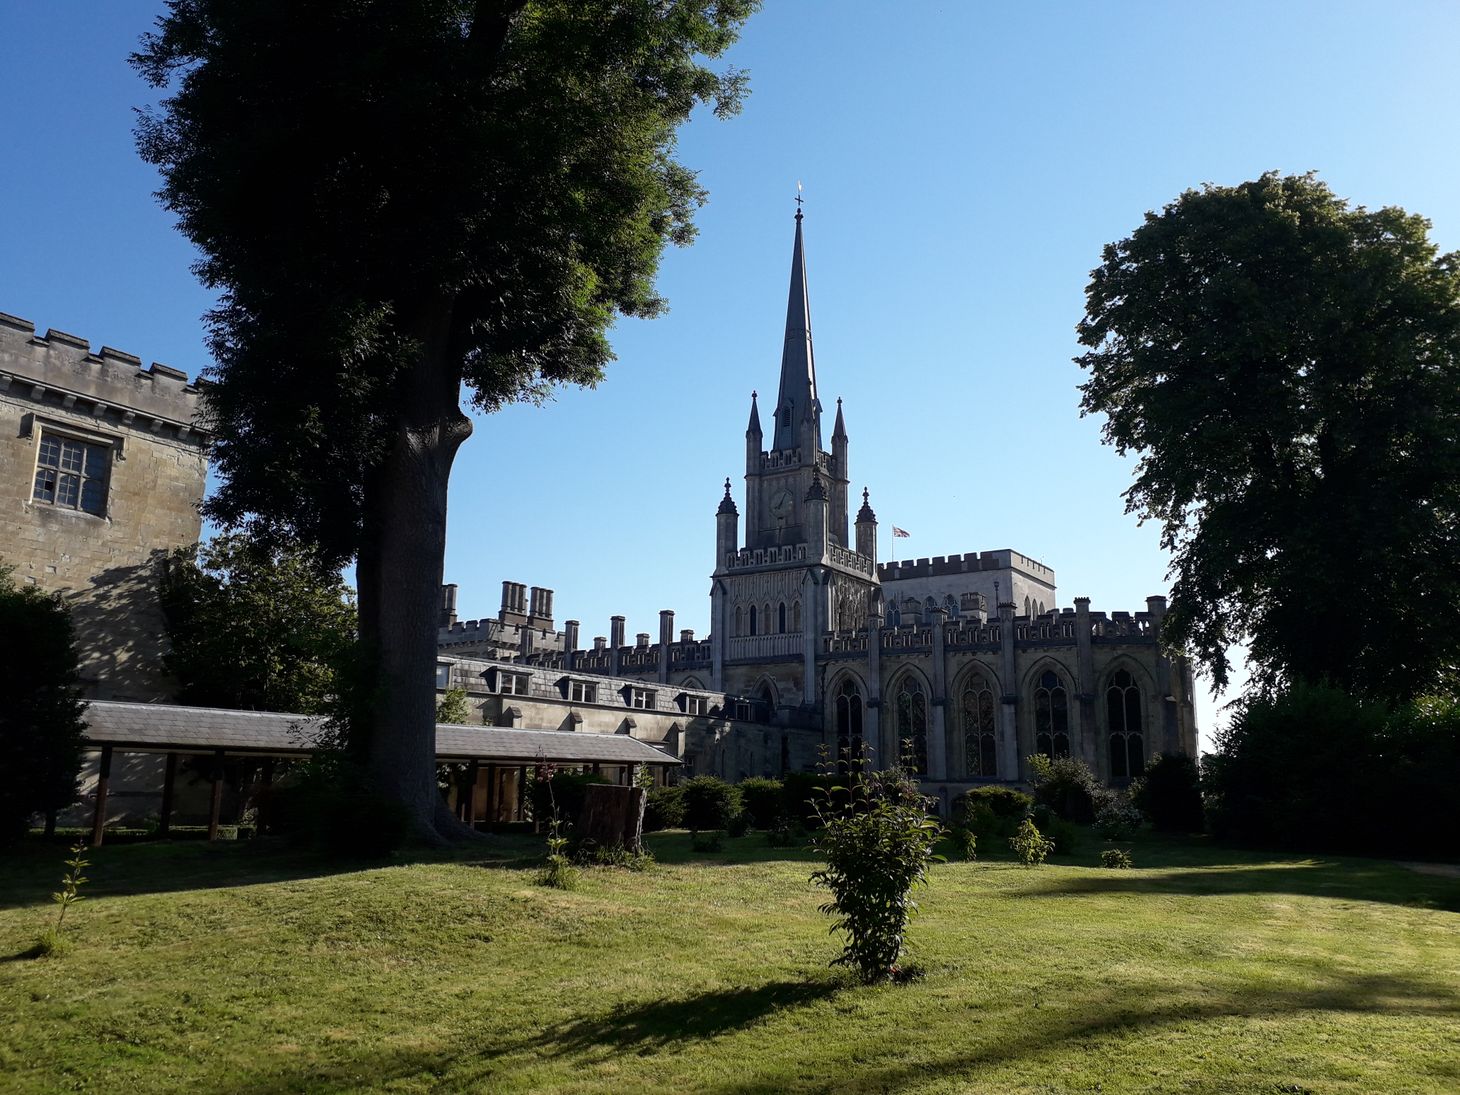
965,664
102,468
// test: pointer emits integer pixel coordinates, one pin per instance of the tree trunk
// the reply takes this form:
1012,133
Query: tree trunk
399,577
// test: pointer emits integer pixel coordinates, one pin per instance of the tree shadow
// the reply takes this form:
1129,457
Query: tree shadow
1349,880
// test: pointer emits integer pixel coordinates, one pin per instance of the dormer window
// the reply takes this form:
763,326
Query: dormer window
642,698
695,705
512,684
582,692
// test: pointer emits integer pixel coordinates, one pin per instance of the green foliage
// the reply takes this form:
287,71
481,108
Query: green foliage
616,855
785,834
1064,836
254,627
709,803
711,841
764,802
1287,370
1116,816
800,794
1067,786
966,842
1168,794
878,841
1116,859
1313,768
1030,845
664,809
41,710
1002,802
558,871
51,942
453,708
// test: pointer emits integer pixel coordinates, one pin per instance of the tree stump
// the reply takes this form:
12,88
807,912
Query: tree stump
613,815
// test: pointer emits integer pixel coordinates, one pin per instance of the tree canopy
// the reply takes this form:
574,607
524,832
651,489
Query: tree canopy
398,203
41,723
256,628
1287,370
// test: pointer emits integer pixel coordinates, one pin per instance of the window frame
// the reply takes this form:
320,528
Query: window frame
103,446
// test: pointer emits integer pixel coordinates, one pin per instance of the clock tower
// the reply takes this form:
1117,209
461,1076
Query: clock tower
796,574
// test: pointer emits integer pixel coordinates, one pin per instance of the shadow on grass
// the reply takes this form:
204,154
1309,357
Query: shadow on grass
1350,880
30,870
796,1060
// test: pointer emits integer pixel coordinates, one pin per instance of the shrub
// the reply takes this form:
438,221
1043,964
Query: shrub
1116,817
1063,836
557,870
1066,786
1168,794
764,802
1115,859
965,842
706,842
616,855
664,809
785,835
739,825
1030,845
326,804
878,842
1002,802
709,803
800,793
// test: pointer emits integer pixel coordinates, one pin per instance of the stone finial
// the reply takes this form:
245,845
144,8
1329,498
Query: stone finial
816,492
865,515
727,504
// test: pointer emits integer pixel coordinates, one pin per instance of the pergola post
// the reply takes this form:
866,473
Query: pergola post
633,773
169,781
216,807
521,793
266,790
491,794
471,793
103,775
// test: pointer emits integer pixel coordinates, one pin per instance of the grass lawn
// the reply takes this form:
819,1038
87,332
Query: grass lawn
243,968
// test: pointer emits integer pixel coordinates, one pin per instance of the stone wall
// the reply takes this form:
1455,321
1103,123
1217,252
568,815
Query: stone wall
137,428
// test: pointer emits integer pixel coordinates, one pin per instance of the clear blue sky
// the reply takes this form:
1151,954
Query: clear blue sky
963,165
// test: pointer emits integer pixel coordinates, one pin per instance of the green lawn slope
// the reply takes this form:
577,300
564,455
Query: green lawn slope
242,968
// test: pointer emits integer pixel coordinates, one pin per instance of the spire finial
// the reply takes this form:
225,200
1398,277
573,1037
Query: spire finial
798,199
864,492
727,486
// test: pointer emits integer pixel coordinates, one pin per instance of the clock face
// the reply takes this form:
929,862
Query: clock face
782,504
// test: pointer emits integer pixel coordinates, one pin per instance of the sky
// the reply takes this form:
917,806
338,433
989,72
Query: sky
963,164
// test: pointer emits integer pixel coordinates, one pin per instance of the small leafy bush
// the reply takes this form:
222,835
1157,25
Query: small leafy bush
1030,845
1066,786
558,870
1116,859
1116,817
965,842
556,792
801,792
709,803
763,801
1168,794
616,855
739,825
1064,837
878,840
786,835
1002,802
664,809
50,942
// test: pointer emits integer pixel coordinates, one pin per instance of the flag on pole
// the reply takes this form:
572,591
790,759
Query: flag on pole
900,532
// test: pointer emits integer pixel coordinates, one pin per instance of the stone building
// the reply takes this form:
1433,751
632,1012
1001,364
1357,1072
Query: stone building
966,662
102,468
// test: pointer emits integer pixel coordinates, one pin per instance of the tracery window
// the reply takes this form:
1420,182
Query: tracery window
848,723
739,621
1051,716
796,617
1123,718
979,747
781,617
752,619
912,722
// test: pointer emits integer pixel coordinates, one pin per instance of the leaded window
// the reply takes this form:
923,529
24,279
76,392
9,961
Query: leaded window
1051,716
912,722
1123,719
979,743
71,474
848,722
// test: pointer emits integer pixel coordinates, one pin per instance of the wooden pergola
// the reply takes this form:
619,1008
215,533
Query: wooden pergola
271,736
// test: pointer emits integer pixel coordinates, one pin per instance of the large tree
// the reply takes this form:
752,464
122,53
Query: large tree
256,627
1287,369
399,201
41,714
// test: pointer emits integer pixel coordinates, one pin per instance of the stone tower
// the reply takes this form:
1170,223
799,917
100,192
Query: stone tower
796,575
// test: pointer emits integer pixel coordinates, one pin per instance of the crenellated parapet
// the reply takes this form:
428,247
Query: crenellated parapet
109,386
972,562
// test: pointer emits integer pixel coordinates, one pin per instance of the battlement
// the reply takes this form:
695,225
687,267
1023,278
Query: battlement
109,384
973,561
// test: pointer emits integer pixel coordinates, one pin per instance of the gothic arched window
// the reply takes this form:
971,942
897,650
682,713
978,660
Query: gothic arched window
1027,607
952,606
739,622
1051,716
912,723
848,723
752,619
796,617
1123,716
781,617
977,710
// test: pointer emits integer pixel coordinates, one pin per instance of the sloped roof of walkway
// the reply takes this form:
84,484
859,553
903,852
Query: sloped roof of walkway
164,728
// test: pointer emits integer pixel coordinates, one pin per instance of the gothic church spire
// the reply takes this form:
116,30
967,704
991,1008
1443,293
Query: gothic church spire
797,402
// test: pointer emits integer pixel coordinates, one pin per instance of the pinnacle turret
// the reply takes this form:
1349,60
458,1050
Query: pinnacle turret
816,492
839,432
754,427
865,514
727,504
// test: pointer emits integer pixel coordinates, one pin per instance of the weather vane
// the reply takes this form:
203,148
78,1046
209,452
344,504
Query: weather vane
798,195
